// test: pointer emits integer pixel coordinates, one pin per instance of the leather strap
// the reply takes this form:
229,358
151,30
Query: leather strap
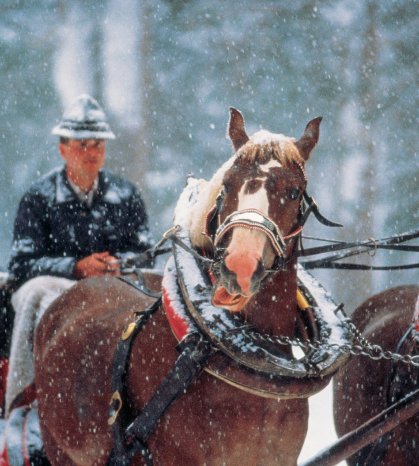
195,352
128,441
118,412
312,207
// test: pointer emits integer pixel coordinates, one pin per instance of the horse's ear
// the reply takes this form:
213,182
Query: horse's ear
236,131
310,137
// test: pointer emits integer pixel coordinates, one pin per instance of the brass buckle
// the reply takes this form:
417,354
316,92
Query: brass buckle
116,397
128,331
171,231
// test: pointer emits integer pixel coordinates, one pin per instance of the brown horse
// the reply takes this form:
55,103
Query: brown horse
365,387
214,422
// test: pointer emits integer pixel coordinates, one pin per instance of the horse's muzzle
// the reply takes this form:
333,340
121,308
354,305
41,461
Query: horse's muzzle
243,281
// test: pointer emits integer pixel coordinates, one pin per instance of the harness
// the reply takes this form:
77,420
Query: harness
129,435
122,452
395,389
198,347
253,219
196,353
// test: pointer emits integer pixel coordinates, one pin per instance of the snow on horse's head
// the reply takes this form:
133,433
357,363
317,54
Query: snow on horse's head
263,183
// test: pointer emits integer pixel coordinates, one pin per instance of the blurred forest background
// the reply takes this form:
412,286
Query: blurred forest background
166,72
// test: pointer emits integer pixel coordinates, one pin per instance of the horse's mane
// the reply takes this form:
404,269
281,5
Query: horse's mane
262,147
208,192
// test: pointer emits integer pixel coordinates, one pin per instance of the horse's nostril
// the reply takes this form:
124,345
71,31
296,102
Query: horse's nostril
241,274
260,270
229,279
257,277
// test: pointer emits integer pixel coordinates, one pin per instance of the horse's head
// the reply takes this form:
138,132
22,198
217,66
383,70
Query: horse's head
256,218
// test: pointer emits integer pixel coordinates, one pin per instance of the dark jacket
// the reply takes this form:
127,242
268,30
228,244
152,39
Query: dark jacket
54,229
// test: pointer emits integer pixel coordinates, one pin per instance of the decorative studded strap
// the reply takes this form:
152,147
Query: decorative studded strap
252,219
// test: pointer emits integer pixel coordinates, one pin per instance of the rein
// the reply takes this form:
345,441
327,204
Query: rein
355,247
139,283
360,247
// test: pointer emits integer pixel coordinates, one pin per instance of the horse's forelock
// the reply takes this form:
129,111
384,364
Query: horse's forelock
263,150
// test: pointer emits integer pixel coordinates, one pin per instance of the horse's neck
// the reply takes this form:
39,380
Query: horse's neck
274,309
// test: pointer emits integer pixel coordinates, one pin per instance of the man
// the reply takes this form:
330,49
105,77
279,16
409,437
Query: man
77,221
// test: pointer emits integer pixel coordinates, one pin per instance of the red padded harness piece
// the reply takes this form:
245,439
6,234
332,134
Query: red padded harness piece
416,316
177,323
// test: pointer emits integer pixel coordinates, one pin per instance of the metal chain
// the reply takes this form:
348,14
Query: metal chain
375,352
363,348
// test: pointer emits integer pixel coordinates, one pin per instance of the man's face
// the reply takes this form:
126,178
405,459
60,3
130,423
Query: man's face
84,157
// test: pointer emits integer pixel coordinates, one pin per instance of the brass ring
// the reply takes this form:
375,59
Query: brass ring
372,252
116,400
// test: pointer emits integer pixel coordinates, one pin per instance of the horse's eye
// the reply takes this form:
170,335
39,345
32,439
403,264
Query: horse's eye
293,194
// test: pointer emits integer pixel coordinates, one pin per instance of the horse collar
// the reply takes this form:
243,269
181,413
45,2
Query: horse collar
227,332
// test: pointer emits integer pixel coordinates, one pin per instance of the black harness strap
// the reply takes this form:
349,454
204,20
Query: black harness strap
309,265
370,245
194,353
119,409
128,441
313,208
391,242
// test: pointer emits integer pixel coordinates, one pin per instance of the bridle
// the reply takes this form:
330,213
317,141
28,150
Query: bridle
254,219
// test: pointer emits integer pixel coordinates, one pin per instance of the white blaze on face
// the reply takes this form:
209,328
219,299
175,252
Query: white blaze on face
259,199
255,200
247,245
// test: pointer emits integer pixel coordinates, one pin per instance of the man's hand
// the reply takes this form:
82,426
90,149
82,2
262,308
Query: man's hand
97,265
